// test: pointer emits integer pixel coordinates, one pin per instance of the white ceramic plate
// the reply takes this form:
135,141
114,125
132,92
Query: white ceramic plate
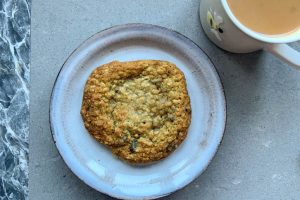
90,160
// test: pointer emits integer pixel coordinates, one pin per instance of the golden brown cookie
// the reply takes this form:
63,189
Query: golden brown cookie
140,110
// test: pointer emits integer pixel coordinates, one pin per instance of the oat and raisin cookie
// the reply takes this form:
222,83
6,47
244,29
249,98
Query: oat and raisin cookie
140,109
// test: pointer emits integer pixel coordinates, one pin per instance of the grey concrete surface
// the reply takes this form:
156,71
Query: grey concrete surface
259,157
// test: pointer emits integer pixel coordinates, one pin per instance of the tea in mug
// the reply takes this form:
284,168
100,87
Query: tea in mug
270,17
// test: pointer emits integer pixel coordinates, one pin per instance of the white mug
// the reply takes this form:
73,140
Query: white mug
225,30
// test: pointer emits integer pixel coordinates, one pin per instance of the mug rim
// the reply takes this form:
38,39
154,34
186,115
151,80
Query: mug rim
286,38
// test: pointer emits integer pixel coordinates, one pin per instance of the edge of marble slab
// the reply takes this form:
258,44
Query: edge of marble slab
14,97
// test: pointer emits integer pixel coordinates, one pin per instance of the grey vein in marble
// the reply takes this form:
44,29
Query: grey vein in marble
14,98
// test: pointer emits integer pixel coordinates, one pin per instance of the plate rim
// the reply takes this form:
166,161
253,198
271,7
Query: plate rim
186,40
